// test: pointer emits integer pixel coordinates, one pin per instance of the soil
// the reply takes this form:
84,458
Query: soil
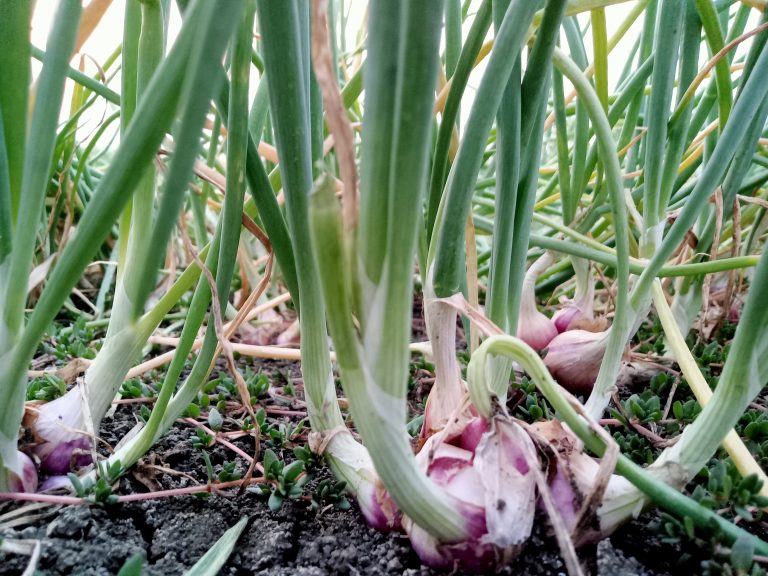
172,533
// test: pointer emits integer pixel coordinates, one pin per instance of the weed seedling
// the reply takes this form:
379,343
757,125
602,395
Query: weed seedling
201,439
47,387
311,460
283,480
330,492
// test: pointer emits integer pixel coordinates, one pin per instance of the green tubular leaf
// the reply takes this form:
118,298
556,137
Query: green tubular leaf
469,52
352,89
678,131
614,182
151,46
220,261
315,112
633,120
526,198
136,220
608,259
162,418
754,50
744,375
737,172
274,224
165,411
452,35
83,79
376,142
578,176
15,17
372,375
742,116
448,241
224,246
633,88
152,119
600,51
259,109
200,84
743,159
666,44
411,143
569,200
127,102
266,203
132,566
507,175
533,92
326,230
286,67
37,158
714,36
130,62
578,6
710,96
84,156
237,150
199,201
6,225
383,433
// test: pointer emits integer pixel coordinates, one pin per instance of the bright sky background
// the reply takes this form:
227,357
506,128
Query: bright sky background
108,36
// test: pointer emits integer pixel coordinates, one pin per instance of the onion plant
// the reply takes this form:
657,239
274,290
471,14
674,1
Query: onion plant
608,184
199,48
364,261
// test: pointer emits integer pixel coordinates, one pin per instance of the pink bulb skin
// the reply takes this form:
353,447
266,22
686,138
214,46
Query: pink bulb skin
536,330
55,483
428,550
734,312
66,456
372,503
26,479
473,433
459,466
574,357
564,317
374,515
57,427
564,497
471,555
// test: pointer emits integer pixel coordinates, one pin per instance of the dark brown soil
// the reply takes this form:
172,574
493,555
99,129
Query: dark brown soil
173,533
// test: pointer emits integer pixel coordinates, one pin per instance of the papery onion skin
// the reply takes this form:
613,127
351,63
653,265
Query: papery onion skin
462,463
573,478
53,483
574,357
57,426
535,329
